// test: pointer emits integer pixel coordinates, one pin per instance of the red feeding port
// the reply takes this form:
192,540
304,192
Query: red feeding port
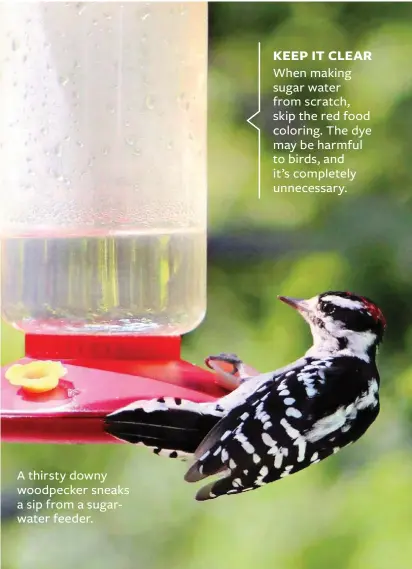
104,373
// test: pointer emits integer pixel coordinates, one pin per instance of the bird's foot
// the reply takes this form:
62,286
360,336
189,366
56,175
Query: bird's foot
230,370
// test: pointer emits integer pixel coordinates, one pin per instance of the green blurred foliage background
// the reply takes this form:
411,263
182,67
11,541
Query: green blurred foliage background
354,510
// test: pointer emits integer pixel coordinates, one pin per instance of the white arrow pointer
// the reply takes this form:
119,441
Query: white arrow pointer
249,120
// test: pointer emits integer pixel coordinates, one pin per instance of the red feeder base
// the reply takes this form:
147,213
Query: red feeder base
104,373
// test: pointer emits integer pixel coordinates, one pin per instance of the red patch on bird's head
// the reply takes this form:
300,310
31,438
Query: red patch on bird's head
373,310
371,307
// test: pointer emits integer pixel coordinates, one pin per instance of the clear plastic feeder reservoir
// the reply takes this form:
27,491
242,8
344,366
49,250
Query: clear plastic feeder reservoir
103,166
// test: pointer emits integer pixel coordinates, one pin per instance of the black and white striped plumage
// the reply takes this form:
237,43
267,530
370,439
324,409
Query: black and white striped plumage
277,423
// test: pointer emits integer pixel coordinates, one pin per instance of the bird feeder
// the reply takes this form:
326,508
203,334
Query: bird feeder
103,218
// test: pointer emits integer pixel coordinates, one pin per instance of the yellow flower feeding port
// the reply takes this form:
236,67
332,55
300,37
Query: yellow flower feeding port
36,376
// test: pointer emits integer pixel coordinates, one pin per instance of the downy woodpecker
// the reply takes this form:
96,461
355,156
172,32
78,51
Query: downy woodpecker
273,424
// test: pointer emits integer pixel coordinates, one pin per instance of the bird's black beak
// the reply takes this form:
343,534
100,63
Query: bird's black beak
297,303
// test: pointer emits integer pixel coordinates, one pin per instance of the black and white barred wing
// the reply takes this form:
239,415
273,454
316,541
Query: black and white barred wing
280,429
254,444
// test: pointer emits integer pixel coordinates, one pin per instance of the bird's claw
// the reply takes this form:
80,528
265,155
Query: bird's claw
230,370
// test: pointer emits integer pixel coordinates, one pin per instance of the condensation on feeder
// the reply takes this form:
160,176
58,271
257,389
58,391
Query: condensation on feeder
103,167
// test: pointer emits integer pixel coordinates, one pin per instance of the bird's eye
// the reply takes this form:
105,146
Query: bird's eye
328,308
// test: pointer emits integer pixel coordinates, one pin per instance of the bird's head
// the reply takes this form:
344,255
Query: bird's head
342,321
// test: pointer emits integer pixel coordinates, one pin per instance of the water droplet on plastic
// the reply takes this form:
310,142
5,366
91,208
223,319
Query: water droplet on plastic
145,16
63,81
81,7
80,143
170,145
15,44
129,141
137,152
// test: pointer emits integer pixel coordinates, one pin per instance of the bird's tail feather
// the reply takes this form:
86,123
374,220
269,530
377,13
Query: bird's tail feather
171,426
